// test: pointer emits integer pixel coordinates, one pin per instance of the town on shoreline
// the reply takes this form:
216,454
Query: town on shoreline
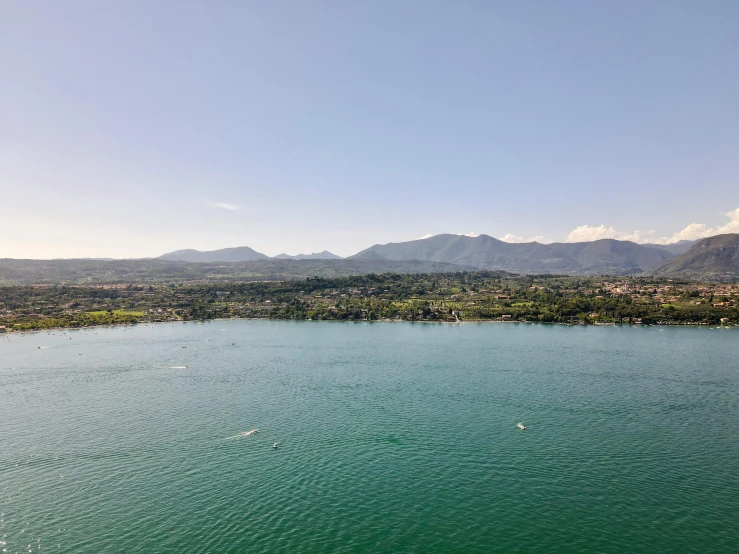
435,297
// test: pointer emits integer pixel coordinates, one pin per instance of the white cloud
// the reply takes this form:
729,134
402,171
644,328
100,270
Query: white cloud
585,233
693,231
224,206
701,230
516,239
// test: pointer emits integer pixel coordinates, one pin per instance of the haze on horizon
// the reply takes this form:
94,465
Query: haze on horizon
132,129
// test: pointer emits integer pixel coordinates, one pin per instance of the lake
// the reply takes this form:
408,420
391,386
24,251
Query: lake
393,437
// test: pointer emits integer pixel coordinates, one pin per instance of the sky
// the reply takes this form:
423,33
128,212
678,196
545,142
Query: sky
130,129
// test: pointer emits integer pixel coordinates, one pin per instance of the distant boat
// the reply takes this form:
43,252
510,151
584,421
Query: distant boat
274,445
521,426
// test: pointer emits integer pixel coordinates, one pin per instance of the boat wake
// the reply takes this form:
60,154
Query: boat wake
244,434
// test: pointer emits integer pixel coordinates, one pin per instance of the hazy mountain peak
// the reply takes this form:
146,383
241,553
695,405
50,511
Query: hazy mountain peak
237,254
325,255
714,257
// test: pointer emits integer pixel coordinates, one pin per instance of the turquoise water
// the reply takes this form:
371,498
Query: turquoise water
392,438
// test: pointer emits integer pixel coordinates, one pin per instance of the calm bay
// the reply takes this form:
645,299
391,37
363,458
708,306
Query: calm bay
392,437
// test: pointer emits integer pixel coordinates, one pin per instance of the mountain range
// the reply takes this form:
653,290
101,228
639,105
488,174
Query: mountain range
325,255
605,256
714,258
239,254
675,248
711,258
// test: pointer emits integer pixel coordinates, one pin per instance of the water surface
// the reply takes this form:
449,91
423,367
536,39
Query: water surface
392,438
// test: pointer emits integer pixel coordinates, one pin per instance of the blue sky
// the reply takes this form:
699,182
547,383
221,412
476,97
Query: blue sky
134,128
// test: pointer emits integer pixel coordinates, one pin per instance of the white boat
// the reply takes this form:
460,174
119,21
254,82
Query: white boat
521,426
274,445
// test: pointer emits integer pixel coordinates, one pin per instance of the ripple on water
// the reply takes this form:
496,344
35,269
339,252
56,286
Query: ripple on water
393,438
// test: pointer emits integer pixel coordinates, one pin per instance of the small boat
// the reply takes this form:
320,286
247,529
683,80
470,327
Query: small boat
521,426
274,445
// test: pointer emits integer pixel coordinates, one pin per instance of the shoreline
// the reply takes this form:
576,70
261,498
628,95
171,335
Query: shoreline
462,322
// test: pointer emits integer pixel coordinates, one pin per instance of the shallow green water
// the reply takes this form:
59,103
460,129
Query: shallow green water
392,438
